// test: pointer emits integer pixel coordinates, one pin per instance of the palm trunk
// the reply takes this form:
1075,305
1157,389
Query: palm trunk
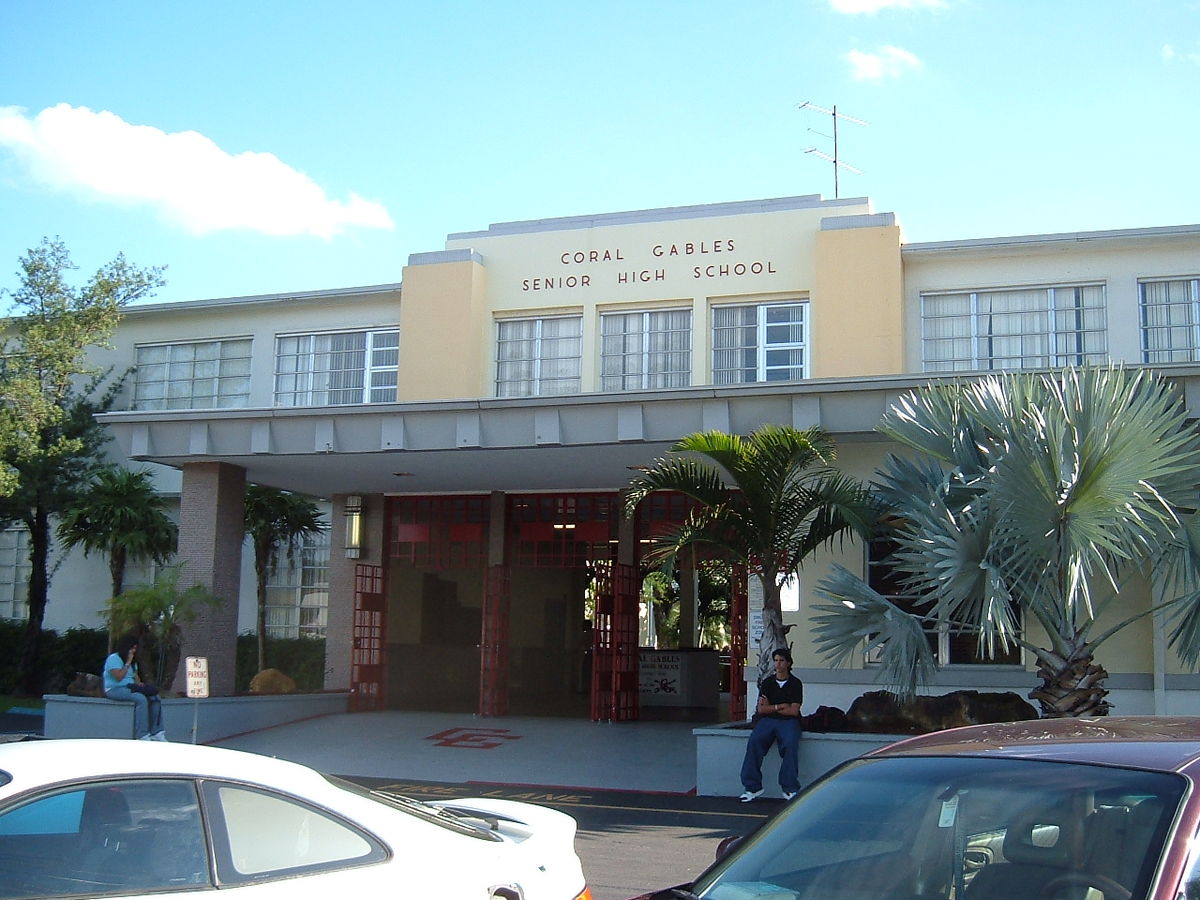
29,676
1072,686
773,633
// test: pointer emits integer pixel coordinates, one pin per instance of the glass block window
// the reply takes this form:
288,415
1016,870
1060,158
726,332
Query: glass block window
14,573
765,342
539,357
298,591
337,368
646,350
1170,314
195,375
1014,328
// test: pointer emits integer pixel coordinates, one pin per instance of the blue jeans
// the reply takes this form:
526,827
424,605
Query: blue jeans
147,711
766,732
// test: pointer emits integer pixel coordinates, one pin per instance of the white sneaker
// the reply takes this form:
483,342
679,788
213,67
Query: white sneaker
145,737
159,736
747,796
788,795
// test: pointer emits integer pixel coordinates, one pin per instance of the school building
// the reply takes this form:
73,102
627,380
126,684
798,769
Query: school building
472,427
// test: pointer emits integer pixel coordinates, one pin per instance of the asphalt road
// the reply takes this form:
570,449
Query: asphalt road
629,843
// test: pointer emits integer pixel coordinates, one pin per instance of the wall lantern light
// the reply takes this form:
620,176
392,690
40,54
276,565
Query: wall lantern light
353,509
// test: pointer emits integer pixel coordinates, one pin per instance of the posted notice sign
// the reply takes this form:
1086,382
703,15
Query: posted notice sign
197,676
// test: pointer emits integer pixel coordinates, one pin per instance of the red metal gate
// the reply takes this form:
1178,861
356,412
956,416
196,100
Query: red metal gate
493,646
367,670
738,644
615,644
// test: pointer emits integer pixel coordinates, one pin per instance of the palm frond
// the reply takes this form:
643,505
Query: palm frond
861,620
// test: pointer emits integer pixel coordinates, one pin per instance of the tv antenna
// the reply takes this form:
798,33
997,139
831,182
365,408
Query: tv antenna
835,159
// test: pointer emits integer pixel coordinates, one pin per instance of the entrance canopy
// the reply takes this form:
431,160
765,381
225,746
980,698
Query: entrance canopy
585,442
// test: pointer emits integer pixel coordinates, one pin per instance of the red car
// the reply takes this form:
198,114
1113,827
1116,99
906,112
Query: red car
1056,809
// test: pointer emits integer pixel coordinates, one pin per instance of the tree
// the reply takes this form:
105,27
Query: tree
1032,496
766,501
121,516
275,520
45,374
155,613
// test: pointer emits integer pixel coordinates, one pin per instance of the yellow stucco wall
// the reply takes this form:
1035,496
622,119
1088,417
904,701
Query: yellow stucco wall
443,330
858,303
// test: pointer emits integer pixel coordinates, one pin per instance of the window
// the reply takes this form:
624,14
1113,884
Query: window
1016,328
299,838
539,357
113,837
298,591
14,573
646,350
767,342
199,375
1170,320
948,647
328,369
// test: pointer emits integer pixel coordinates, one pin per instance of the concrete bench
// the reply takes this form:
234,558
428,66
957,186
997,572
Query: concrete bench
213,718
721,748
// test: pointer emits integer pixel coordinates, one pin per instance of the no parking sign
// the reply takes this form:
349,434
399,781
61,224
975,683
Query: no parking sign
197,676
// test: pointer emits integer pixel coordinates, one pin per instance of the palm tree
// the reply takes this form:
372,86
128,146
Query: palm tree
1033,496
121,516
275,520
765,501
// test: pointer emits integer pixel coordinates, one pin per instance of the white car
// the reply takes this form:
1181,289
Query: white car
108,818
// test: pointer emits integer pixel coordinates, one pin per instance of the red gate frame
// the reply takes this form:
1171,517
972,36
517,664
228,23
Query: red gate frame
368,637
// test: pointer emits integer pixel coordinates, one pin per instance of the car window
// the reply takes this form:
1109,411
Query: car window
103,838
259,835
968,827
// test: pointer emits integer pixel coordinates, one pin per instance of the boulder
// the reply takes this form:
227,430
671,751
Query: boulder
272,681
85,684
882,712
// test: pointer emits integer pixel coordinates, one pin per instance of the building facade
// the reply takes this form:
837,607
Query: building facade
472,427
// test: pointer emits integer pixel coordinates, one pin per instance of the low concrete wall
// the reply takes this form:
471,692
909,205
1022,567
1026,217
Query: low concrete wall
213,718
721,748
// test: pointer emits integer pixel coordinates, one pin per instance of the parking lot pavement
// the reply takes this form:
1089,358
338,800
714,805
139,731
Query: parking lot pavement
628,841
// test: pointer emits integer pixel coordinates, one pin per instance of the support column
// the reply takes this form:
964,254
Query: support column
689,600
339,615
211,531
494,642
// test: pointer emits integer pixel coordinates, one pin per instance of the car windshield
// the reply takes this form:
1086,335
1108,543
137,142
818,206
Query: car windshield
958,828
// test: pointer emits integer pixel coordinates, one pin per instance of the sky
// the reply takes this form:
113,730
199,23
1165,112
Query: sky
276,146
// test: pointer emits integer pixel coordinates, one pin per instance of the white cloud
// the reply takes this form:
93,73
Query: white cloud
184,175
1170,54
887,62
870,7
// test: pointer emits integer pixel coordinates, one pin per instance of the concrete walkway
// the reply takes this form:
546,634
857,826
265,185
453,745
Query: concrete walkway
462,748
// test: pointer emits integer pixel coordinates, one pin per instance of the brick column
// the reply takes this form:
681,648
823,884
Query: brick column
211,531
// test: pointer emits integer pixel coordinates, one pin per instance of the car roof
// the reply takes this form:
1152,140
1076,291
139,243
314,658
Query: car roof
1163,743
49,761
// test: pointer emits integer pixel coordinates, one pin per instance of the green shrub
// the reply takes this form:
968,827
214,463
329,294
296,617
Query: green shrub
301,659
59,658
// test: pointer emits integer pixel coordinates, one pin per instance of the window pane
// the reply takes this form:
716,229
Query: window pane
269,834
337,368
1014,328
116,837
194,378
536,357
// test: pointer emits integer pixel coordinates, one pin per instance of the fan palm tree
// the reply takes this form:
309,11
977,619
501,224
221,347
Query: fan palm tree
275,520
765,501
121,516
1034,497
